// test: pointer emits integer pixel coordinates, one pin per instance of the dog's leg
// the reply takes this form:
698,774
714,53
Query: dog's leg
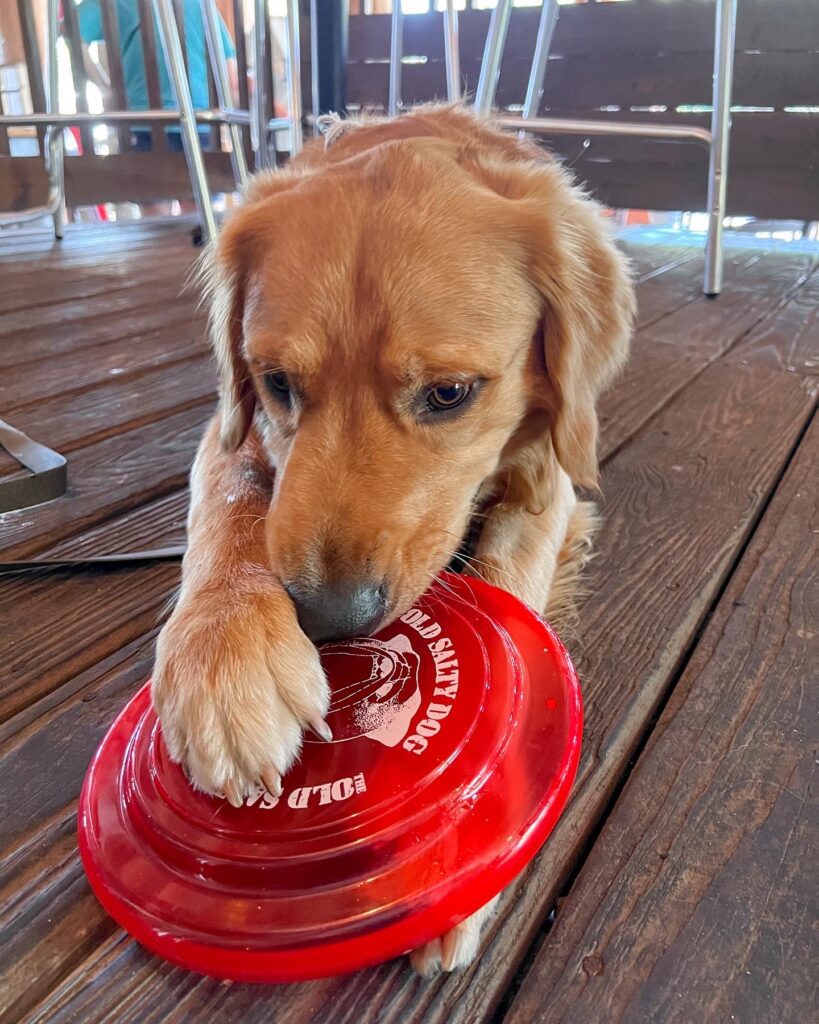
235,680
538,558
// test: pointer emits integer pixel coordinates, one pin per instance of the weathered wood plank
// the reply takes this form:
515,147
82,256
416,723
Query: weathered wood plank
25,287
88,415
671,79
123,177
157,524
119,359
695,901
679,502
109,478
788,340
127,316
686,26
778,193
42,888
669,352
61,623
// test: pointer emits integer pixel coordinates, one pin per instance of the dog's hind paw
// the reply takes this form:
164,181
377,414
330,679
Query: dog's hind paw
455,950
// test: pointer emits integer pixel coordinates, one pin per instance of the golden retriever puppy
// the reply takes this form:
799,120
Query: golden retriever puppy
412,321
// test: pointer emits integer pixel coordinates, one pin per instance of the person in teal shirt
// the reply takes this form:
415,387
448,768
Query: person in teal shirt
133,65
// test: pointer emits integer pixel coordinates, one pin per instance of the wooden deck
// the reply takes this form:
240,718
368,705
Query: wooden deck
676,888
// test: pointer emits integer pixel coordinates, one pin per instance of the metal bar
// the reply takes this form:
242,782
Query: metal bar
315,76
240,117
492,56
259,105
329,24
396,53
568,126
54,141
543,43
216,50
172,48
294,75
724,41
452,52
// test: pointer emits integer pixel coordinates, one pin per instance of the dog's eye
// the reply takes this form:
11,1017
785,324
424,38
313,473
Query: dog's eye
278,384
447,395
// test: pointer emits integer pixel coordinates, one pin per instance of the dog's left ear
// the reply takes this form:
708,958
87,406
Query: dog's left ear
588,310
584,289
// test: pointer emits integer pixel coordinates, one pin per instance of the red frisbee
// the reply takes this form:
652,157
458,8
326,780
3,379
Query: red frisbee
456,741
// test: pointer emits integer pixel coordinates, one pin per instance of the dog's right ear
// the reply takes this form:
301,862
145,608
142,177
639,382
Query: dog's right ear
224,274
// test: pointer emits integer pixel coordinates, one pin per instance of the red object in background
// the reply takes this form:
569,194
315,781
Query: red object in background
456,740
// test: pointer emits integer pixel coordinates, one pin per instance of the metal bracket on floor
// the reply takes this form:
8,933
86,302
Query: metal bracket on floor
49,476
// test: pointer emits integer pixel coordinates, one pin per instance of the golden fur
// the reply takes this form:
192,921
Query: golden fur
384,259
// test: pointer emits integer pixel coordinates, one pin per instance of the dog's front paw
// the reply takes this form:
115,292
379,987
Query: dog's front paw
457,949
235,683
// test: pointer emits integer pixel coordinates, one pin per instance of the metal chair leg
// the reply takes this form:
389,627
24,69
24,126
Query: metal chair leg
396,53
259,104
492,55
172,48
452,52
543,43
216,50
54,142
724,39
294,75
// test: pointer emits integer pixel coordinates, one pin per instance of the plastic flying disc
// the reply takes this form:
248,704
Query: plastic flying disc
456,740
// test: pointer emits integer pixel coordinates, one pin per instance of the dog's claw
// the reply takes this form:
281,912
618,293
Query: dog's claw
272,782
321,729
232,793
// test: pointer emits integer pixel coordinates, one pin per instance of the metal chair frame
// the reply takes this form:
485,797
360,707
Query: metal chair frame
184,115
716,140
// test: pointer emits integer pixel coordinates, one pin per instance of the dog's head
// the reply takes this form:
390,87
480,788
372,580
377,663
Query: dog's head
417,318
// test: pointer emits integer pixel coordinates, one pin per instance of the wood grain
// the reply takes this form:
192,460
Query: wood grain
109,478
695,902
61,623
580,84
788,340
120,359
674,348
687,26
90,414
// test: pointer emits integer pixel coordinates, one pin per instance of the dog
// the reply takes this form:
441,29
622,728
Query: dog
412,323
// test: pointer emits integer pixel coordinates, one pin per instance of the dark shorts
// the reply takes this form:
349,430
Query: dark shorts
141,140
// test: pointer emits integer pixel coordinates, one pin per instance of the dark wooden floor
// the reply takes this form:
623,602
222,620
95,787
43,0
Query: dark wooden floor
677,886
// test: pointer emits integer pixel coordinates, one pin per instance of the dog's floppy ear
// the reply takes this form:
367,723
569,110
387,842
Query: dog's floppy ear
588,311
225,273
586,295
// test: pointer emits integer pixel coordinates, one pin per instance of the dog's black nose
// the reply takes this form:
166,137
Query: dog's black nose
336,612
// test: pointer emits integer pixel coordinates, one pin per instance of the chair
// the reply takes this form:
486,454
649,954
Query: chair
716,140
184,115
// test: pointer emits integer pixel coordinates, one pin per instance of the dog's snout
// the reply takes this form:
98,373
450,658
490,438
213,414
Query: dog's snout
333,612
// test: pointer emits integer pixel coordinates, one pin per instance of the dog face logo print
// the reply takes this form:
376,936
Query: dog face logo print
377,693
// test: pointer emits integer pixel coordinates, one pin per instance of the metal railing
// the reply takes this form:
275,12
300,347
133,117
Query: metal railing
716,140
184,115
